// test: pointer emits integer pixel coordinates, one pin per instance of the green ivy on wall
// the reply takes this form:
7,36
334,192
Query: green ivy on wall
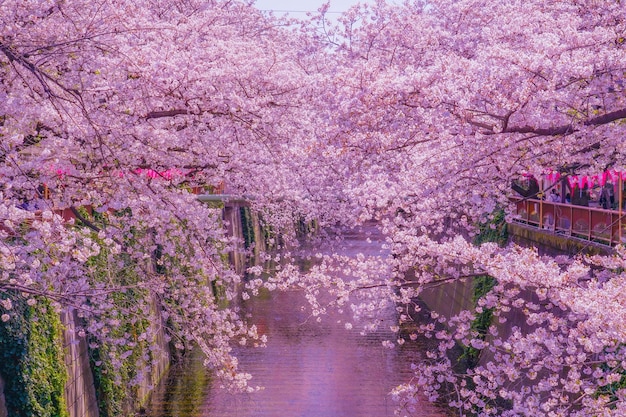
115,392
31,360
480,325
493,231
247,227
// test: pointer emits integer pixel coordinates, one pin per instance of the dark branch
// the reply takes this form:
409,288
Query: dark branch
570,128
84,220
40,75
549,131
184,112
606,118
167,113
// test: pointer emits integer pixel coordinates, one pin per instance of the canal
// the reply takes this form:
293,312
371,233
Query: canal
307,369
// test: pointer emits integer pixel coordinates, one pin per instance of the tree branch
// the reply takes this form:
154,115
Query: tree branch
569,128
83,220
167,113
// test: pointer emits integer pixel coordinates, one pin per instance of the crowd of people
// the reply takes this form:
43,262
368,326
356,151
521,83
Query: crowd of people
602,197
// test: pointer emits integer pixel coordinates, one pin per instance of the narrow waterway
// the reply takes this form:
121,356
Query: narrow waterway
308,369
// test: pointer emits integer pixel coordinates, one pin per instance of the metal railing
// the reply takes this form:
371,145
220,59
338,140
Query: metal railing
590,223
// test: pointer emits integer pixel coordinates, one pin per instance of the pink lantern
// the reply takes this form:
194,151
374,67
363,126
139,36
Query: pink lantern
572,181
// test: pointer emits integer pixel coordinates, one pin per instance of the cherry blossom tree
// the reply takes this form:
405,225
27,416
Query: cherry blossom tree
416,116
116,110
436,108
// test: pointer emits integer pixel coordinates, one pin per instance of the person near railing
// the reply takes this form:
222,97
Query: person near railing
607,197
580,197
554,196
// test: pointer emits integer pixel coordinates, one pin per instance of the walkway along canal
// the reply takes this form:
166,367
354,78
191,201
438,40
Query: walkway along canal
307,369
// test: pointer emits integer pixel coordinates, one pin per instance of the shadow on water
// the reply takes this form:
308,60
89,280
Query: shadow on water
307,369
183,391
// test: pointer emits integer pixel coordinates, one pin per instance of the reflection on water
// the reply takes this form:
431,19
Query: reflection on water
308,369
183,392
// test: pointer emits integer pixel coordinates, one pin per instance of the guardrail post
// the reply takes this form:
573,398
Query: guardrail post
619,204
541,197
589,225
571,219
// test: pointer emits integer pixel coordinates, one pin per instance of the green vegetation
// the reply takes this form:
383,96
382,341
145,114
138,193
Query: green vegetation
480,325
116,365
247,227
304,227
117,362
31,361
611,392
493,231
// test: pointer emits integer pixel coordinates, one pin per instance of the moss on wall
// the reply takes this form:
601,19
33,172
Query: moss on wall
116,365
480,325
496,230
31,361
247,227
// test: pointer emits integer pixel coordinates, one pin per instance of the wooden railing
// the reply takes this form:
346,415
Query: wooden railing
590,223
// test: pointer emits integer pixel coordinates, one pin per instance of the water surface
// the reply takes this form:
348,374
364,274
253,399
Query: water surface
308,369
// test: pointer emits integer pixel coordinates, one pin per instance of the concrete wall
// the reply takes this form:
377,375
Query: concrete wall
449,299
160,356
80,392
232,221
259,237
3,405
551,243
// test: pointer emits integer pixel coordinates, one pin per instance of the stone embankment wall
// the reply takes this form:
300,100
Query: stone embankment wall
551,243
257,232
3,406
449,299
240,221
232,221
160,356
80,394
